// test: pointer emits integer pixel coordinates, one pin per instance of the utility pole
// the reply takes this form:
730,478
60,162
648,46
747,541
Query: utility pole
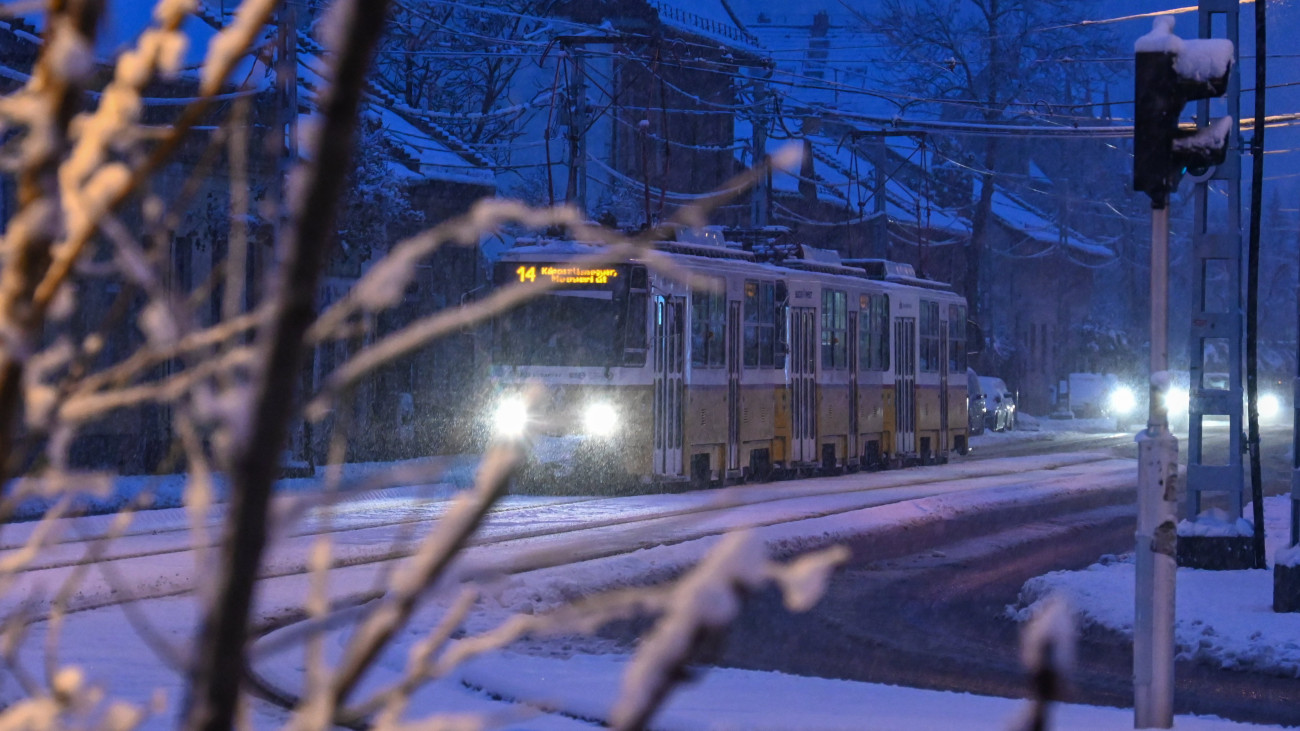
1216,252
578,113
760,195
643,127
1252,290
880,228
575,193
1163,84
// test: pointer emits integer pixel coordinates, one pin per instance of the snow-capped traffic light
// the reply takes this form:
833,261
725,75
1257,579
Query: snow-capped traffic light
1172,71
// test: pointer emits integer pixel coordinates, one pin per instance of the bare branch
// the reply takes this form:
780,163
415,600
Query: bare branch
221,648
424,568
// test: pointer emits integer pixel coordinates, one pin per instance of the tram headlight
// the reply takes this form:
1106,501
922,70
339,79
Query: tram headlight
600,419
1122,400
511,417
1269,406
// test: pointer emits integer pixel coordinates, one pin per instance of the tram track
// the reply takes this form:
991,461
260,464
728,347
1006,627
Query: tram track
879,540
174,534
584,538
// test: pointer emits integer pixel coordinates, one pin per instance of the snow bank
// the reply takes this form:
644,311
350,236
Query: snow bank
582,687
1224,618
167,491
1287,556
1215,522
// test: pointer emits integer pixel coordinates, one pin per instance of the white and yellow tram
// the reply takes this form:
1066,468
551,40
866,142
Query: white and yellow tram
810,364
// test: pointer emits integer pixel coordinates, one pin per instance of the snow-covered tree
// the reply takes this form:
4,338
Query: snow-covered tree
377,205
461,59
990,61
104,193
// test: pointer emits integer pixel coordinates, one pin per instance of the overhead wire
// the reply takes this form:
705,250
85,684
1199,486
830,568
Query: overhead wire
786,78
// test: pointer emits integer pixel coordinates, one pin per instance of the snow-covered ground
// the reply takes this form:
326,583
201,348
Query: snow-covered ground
576,680
1042,429
1222,617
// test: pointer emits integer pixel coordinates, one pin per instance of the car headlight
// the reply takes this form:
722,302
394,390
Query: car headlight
1122,400
1269,406
1176,400
511,417
600,419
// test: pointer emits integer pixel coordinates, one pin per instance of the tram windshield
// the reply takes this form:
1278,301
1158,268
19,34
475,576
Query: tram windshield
559,329
576,325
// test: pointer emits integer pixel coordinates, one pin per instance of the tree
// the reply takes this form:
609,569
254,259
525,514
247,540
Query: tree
460,60
991,61
103,195
377,203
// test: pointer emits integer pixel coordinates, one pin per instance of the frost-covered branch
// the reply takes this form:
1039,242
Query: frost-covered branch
254,461
424,569
383,286
45,107
1047,649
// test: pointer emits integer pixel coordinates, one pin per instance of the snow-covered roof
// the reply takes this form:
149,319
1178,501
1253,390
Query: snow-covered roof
711,19
120,26
1020,216
842,180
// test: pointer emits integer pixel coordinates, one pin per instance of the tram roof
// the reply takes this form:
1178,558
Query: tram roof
787,258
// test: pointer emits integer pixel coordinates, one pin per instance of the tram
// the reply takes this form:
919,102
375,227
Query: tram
768,367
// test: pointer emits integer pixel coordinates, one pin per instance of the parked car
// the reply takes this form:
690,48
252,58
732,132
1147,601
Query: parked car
976,402
1000,404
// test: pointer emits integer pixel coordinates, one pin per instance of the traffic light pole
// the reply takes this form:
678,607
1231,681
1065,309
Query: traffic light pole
1153,626
1169,72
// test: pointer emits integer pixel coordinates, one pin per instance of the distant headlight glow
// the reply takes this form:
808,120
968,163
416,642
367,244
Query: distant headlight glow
600,419
1269,406
1122,400
511,417
1176,400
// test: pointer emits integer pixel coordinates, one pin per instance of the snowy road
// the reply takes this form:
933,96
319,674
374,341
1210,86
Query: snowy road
551,546
157,559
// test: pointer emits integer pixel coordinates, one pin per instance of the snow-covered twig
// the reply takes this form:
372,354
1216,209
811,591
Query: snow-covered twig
113,190
394,701
424,568
704,600
82,408
254,461
428,329
46,107
1047,648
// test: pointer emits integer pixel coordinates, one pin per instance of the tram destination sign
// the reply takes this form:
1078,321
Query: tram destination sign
564,275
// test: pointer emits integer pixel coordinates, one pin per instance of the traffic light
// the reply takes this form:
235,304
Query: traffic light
1171,72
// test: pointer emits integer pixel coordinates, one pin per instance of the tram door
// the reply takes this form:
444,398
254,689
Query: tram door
734,356
943,388
669,364
854,450
803,383
905,385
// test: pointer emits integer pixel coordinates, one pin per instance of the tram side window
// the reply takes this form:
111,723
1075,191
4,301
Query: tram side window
929,337
835,329
956,339
781,306
873,332
760,324
708,326
636,323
